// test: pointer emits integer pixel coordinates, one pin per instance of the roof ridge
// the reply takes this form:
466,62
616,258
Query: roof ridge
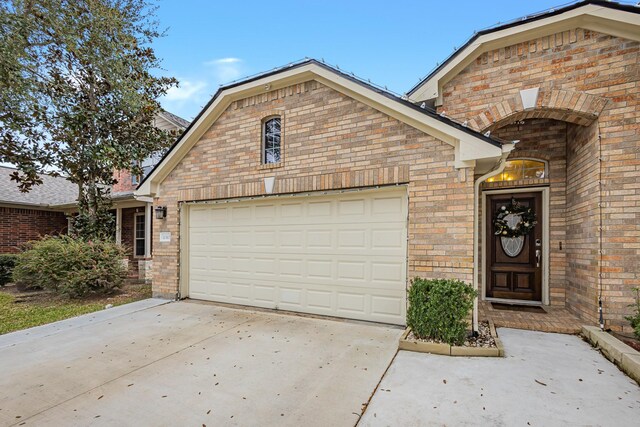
552,11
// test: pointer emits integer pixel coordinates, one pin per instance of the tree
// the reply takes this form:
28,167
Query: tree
78,95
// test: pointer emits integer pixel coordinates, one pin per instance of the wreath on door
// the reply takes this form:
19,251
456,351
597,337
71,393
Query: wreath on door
504,224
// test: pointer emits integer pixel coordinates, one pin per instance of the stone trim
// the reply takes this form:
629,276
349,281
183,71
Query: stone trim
319,182
580,108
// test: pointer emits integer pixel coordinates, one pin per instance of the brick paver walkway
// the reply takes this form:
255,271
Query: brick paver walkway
553,319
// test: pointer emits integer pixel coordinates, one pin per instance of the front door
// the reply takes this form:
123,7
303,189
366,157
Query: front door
514,264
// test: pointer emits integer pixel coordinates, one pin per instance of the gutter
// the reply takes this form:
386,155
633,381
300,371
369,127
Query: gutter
506,150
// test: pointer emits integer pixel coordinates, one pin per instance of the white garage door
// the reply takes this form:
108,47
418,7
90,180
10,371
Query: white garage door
339,254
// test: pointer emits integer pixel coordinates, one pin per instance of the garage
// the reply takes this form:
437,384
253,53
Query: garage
339,254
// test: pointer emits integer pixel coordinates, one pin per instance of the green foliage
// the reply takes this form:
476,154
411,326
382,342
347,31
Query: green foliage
7,262
634,319
438,309
79,90
71,266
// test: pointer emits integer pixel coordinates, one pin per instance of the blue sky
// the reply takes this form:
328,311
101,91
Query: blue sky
392,43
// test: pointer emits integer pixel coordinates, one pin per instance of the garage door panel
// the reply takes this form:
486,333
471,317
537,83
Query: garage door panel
320,299
265,293
341,255
241,291
386,306
291,296
320,209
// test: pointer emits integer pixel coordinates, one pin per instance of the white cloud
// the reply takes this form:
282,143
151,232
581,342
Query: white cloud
186,99
225,69
186,90
223,61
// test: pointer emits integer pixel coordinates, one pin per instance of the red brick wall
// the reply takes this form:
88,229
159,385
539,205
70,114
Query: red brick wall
124,182
330,141
127,233
18,226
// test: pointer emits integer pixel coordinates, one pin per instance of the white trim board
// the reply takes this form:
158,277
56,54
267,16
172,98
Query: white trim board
593,17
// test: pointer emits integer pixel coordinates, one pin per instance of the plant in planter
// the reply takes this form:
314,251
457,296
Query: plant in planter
7,263
634,319
439,309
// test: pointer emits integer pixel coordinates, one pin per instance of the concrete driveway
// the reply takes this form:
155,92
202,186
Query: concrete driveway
544,380
192,364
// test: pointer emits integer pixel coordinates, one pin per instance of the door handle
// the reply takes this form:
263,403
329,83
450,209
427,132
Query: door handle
538,255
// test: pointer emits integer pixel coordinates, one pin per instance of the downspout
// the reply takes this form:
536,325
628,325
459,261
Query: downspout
506,149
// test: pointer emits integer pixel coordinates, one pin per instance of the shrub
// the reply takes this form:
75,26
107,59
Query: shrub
7,262
439,308
634,319
71,266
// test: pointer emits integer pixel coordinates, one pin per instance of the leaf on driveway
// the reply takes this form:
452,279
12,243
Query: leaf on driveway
541,383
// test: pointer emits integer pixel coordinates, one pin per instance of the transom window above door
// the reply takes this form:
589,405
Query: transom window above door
518,169
271,140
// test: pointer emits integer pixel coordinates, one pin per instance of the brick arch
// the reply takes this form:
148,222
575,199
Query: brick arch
579,108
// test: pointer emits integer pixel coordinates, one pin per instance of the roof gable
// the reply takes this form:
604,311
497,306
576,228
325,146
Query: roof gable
602,16
470,144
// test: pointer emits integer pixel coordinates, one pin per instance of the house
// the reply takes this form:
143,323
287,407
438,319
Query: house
45,209
27,216
311,190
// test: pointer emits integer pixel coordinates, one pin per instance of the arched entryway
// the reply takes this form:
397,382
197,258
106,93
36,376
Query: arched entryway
553,172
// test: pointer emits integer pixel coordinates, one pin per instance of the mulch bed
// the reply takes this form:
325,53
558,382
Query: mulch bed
484,338
629,339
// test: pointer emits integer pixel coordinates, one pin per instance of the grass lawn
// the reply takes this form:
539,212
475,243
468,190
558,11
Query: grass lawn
18,312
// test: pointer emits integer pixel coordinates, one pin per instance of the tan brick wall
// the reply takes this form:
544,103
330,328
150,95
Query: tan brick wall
330,142
582,75
583,220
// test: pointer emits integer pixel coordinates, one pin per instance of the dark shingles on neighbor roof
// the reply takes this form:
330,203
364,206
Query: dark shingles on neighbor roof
52,192
179,121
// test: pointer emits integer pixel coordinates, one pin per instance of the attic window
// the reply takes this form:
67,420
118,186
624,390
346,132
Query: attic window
271,139
518,169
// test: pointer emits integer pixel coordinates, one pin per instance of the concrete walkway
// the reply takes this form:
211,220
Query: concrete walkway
544,380
192,364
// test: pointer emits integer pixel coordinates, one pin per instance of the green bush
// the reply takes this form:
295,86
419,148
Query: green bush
635,318
439,308
7,262
71,266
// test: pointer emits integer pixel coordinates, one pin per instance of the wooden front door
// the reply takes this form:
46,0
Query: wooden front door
514,269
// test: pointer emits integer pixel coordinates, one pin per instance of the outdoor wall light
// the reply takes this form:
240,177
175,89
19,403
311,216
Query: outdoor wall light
161,212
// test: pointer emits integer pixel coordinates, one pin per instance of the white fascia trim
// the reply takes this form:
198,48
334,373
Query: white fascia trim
591,17
469,147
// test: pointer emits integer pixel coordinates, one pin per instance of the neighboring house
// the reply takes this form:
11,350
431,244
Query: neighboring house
310,190
28,216
44,210
134,213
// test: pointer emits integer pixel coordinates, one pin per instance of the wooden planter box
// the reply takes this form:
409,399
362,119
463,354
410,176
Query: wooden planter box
449,350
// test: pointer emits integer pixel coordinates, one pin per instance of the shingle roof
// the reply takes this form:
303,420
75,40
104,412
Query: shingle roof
52,192
179,121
